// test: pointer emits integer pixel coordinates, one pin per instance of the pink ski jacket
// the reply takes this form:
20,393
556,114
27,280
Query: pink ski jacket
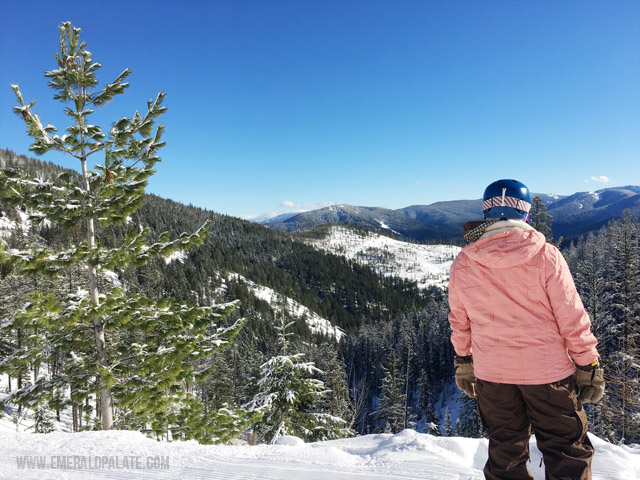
515,307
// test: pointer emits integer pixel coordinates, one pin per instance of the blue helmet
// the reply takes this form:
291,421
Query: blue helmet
506,199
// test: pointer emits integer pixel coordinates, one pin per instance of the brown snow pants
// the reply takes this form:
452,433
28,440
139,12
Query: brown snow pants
559,422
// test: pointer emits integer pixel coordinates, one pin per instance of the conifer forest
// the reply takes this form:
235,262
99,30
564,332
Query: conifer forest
136,312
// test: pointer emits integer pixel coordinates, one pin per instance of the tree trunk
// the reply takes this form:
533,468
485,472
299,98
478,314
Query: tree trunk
406,389
98,325
101,351
19,334
87,411
74,414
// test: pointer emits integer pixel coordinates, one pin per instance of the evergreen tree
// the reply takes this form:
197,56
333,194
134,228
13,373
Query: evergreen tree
623,369
607,273
13,291
393,400
591,281
287,395
43,420
469,421
336,401
426,405
540,219
407,339
431,426
448,427
217,391
601,420
144,372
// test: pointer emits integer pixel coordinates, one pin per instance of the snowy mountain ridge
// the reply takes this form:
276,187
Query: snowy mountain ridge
317,324
427,265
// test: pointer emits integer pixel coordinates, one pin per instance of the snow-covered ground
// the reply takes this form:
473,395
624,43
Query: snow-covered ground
132,455
428,265
406,455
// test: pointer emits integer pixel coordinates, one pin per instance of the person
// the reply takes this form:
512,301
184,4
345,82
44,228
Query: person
523,341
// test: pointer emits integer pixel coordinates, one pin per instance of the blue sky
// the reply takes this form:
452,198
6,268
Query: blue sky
278,106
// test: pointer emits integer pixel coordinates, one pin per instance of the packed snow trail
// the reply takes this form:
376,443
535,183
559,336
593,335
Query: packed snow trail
121,455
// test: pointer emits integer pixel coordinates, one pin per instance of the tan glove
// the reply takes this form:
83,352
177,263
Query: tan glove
590,382
465,378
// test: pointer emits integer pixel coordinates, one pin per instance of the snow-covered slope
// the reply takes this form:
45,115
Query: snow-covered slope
316,323
428,265
406,455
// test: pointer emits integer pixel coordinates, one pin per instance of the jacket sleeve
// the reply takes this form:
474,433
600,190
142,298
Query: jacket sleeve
573,321
458,318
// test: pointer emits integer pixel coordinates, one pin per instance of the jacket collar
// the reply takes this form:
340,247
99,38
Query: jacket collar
504,226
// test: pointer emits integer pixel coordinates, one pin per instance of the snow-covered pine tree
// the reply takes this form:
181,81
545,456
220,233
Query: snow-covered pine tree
623,369
448,426
393,399
133,353
217,390
43,420
337,401
14,288
425,406
407,339
601,420
590,273
287,395
468,423
606,267
540,219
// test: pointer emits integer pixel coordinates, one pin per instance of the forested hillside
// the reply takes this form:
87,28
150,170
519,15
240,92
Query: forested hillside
346,293
394,367
350,295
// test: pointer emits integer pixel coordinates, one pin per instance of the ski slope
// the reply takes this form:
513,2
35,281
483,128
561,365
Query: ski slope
406,455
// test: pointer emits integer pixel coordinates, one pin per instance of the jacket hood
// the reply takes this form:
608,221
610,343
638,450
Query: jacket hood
506,249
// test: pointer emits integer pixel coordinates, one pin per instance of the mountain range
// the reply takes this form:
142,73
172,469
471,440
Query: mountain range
573,215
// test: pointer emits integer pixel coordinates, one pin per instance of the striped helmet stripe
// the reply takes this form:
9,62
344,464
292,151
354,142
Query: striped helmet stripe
508,202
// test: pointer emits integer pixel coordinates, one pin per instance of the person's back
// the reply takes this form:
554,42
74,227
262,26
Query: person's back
516,286
518,325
